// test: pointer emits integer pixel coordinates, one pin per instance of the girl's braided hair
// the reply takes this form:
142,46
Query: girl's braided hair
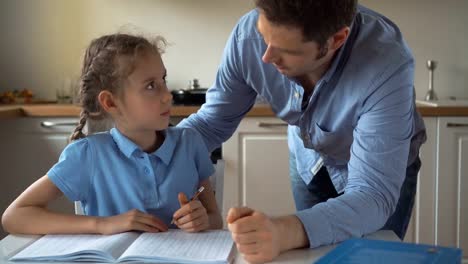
108,61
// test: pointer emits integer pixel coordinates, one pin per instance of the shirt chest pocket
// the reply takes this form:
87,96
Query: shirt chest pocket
331,144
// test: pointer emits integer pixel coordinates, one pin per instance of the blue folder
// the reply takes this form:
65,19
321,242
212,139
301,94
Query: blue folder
364,251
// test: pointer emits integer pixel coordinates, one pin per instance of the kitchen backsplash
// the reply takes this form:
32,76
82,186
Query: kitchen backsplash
45,39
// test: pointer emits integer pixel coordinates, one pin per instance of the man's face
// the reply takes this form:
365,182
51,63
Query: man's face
288,52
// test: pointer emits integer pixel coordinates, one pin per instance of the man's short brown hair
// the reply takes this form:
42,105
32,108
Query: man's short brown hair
318,19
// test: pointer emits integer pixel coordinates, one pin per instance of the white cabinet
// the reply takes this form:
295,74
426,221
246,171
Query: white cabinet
452,184
441,210
257,167
421,228
28,149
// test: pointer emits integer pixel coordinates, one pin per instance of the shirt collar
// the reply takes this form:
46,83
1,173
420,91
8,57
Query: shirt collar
125,145
343,52
164,152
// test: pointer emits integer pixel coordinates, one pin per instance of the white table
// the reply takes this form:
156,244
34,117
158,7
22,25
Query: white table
13,243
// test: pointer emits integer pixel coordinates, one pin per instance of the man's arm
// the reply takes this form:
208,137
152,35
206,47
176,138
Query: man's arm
376,172
227,101
377,167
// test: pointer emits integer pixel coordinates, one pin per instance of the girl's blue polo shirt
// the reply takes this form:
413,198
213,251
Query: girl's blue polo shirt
111,175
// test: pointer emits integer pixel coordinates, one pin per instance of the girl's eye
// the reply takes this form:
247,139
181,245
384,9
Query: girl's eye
151,86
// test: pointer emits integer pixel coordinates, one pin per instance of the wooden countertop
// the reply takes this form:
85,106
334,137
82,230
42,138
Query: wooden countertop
57,110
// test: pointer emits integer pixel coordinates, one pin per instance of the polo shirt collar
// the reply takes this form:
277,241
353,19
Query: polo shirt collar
164,152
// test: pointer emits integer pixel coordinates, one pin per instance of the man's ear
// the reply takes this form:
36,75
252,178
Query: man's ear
108,102
339,38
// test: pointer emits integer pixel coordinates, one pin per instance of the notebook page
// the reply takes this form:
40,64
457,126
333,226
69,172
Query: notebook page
50,246
213,245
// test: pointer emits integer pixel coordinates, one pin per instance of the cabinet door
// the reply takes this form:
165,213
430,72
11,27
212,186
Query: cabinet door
452,184
28,151
257,167
421,228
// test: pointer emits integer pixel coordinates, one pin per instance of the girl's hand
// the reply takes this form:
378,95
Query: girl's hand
192,216
133,220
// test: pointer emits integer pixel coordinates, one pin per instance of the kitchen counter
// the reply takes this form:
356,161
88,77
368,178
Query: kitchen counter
57,110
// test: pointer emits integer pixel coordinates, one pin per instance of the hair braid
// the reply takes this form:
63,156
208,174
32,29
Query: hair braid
78,132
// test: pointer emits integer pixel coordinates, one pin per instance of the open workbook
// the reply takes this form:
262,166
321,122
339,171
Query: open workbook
174,246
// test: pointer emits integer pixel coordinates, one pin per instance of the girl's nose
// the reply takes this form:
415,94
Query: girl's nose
167,96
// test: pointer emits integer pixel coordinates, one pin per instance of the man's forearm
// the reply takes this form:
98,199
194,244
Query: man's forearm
291,232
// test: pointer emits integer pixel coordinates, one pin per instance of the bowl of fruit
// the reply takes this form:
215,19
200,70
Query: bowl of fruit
24,96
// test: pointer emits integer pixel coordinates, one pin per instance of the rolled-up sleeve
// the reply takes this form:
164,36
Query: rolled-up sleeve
377,165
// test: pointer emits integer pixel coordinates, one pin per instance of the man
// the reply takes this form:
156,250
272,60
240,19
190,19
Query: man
341,76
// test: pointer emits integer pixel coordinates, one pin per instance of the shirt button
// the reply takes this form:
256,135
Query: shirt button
147,171
296,94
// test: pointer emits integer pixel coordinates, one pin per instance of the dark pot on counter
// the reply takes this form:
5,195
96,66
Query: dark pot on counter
189,97
179,96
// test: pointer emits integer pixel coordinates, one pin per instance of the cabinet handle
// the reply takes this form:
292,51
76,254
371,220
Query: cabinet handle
49,124
266,124
456,125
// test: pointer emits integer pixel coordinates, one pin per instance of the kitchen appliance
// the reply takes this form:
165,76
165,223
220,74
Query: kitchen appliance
189,97
193,95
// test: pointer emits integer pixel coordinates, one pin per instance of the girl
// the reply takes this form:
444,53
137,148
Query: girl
134,176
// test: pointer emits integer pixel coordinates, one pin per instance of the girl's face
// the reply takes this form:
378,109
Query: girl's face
145,103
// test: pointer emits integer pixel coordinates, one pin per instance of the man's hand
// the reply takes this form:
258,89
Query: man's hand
256,236
192,216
